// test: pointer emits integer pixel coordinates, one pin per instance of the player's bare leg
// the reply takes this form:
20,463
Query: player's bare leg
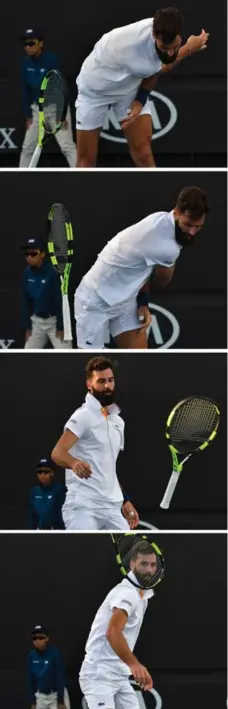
87,147
132,340
138,135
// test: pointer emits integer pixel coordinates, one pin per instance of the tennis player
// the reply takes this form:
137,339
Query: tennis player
113,297
121,71
46,673
42,316
88,449
46,499
35,65
109,659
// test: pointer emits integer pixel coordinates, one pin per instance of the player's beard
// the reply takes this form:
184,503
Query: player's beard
104,397
181,237
144,579
165,58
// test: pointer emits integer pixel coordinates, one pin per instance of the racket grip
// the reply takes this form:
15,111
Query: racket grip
66,318
36,156
165,503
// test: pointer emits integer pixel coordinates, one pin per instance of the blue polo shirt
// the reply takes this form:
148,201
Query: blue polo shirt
33,72
41,294
46,673
45,506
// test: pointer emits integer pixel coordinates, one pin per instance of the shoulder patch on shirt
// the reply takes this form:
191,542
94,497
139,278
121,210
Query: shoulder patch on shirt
125,601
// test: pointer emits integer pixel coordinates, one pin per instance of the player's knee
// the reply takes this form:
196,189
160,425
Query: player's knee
143,152
85,159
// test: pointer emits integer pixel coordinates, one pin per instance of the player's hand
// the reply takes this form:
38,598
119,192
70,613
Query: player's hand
29,122
81,469
65,125
141,676
130,514
61,706
144,316
27,335
133,113
60,335
197,42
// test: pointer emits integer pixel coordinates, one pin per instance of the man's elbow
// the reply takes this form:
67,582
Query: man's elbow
55,455
109,633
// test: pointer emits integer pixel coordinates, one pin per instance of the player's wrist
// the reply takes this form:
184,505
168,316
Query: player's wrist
186,51
142,95
142,299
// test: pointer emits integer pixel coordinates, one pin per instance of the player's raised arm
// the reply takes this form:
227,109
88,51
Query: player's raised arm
195,43
61,456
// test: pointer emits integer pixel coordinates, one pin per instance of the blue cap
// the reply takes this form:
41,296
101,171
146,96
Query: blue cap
45,463
34,33
35,243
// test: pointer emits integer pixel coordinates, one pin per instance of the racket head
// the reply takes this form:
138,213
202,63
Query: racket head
53,103
192,424
60,241
138,553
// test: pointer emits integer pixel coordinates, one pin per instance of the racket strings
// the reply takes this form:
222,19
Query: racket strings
54,102
138,556
194,420
58,236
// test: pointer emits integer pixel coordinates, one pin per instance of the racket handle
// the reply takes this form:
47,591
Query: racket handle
66,319
36,156
165,503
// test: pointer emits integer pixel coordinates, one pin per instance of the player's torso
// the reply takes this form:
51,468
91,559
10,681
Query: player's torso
98,649
126,262
100,448
121,59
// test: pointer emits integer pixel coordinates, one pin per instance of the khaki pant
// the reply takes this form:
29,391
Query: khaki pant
43,331
50,701
64,138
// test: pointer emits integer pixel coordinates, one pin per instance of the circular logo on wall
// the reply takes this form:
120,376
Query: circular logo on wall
163,114
164,329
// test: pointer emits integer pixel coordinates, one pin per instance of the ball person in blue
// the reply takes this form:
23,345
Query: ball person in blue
46,673
46,499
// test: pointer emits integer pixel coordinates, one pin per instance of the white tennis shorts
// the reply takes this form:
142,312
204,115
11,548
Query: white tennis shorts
108,694
91,111
77,516
96,320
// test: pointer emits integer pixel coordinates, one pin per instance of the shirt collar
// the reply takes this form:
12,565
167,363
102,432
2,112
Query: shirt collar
172,217
144,593
94,404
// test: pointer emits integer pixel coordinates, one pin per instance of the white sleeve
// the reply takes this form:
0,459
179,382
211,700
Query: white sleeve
157,245
125,599
78,424
161,253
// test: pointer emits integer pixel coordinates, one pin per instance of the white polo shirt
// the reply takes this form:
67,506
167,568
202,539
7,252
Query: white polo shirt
98,650
120,60
100,441
127,261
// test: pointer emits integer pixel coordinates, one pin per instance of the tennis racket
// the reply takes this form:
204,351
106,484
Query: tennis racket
191,426
137,553
60,249
53,104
